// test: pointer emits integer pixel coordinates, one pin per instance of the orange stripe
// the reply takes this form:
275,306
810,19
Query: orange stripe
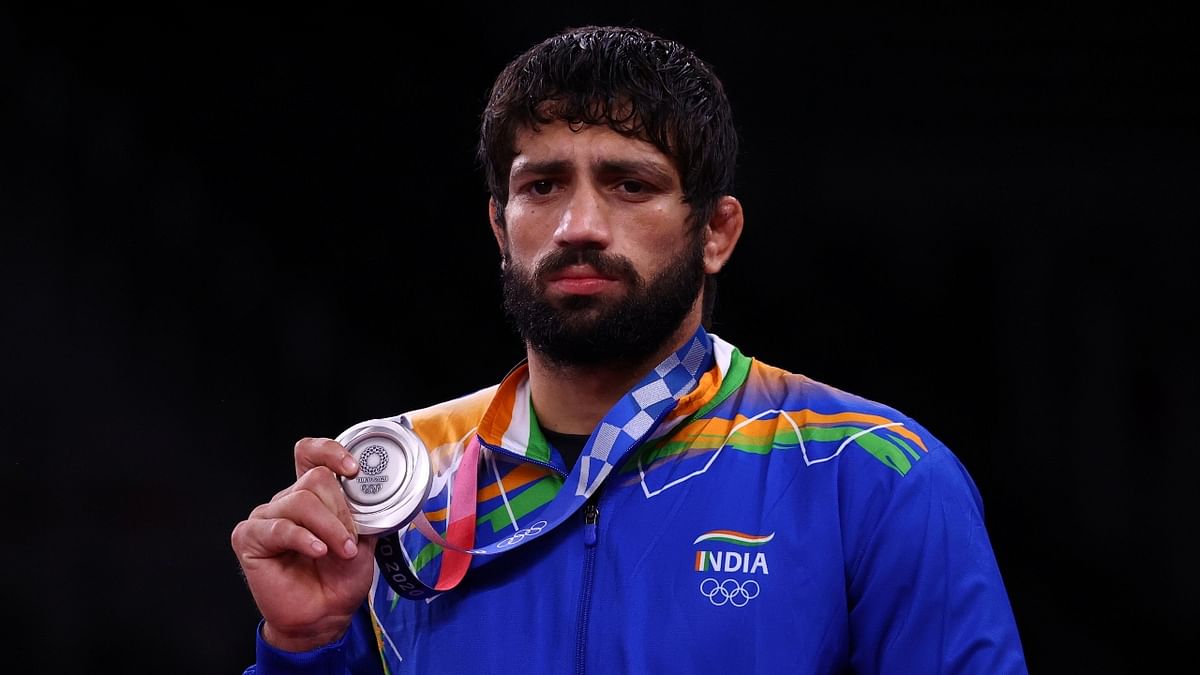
448,422
524,473
722,427
499,414
705,389
699,560
734,533
765,428
873,420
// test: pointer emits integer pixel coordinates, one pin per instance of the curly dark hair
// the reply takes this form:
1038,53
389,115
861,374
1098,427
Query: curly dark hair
637,83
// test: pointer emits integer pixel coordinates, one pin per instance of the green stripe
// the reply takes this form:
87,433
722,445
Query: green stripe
536,495
907,447
708,441
428,552
538,448
784,439
739,369
880,447
736,542
885,451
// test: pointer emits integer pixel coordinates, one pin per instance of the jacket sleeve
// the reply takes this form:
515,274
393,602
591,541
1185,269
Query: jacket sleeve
925,593
356,652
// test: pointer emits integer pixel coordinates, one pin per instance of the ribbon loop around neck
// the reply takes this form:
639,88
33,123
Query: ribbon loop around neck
627,424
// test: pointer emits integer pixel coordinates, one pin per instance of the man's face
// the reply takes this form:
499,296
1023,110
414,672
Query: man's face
601,265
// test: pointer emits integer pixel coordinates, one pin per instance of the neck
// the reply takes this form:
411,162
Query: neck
572,399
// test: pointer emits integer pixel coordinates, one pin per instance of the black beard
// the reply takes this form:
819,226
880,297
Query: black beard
590,330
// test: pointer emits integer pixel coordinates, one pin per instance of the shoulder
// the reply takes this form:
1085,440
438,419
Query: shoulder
879,456
830,424
468,406
772,383
891,473
448,423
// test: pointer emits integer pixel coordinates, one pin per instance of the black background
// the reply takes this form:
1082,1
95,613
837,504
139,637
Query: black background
224,231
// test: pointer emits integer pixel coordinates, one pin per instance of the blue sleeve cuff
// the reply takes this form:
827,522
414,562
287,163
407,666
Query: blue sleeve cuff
330,658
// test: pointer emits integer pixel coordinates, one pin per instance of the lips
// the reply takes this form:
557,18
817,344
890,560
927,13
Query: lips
577,273
581,272
579,280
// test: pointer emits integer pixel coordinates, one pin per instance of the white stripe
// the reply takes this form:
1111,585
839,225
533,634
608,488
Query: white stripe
795,427
641,470
848,440
371,605
516,436
748,540
722,354
409,562
503,495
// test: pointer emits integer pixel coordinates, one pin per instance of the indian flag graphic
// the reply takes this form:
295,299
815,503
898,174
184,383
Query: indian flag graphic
733,561
734,537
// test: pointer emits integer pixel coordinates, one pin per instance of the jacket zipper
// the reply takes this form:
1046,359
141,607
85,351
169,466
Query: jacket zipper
591,514
523,458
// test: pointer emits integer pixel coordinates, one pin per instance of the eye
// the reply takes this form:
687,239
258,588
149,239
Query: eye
542,187
632,186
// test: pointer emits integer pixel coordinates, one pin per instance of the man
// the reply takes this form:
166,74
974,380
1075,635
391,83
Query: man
640,495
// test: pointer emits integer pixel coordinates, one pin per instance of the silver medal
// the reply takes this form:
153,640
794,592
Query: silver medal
394,475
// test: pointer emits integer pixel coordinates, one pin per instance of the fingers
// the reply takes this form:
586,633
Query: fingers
271,537
313,452
310,518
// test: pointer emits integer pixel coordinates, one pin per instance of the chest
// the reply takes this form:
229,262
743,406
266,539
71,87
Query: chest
737,567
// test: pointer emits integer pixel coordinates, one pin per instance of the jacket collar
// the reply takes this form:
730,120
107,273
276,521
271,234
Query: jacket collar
510,425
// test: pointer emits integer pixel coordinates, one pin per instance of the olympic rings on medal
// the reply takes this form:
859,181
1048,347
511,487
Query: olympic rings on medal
374,460
729,591
521,534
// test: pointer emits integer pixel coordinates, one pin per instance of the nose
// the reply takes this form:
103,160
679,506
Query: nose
584,221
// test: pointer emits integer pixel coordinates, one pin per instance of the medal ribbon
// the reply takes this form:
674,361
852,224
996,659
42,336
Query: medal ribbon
631,420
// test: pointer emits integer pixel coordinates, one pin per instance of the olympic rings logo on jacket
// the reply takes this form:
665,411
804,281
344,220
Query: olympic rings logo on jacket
729,591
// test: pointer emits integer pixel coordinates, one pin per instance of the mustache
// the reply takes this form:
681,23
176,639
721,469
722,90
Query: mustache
616,266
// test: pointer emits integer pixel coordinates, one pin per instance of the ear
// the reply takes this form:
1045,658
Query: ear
497,228
722,233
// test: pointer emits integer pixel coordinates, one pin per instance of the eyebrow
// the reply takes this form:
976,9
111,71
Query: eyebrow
533,168
637,167
608,167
